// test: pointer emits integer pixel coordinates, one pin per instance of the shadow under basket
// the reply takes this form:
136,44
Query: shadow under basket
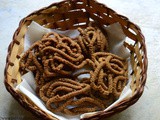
71,14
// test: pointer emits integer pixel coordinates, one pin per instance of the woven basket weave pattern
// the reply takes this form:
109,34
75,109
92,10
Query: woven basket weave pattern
71,14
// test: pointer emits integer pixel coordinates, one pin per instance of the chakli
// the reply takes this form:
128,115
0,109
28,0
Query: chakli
92,40
54,60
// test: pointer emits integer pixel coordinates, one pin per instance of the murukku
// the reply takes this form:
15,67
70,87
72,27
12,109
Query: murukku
75,75
47,88
108,67
92,40
83,105
60,91
115,63
61,95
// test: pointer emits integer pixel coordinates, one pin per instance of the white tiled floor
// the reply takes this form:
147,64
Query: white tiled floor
143,12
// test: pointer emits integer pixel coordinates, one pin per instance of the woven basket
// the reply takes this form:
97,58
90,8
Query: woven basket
71,14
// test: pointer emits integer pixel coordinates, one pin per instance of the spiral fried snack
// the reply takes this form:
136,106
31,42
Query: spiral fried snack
109,76
33,55
59,62
60,94
92,40
84,105
51,55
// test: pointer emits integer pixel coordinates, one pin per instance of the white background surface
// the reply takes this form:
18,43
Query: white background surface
145,13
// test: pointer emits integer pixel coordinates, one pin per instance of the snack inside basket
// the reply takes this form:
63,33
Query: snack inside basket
74,77
76,60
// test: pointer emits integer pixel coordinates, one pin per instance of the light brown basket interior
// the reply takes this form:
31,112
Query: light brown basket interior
70,15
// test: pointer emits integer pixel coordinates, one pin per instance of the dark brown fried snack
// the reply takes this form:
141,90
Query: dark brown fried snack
114,63
92,40
61,95
105,76
54,61
84,105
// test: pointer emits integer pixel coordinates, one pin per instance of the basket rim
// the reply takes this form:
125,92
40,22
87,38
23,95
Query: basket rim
117,108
